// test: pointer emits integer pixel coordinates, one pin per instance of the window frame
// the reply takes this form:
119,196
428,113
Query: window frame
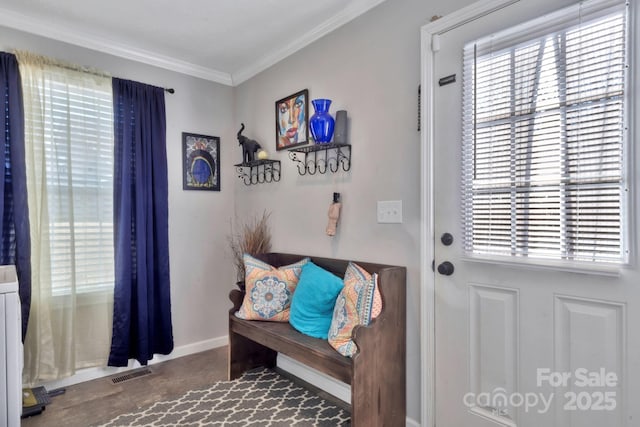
509,39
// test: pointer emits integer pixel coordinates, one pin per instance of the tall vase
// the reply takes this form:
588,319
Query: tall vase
321,123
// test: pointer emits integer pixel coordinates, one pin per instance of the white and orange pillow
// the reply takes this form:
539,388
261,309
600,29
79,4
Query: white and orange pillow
268,290
357,304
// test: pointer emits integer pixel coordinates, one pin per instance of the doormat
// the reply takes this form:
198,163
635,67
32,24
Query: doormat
258,398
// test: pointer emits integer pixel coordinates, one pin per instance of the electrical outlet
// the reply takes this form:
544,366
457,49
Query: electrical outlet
390,212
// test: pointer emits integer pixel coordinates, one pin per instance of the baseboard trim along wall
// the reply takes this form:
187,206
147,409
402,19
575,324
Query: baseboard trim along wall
332,386
101,372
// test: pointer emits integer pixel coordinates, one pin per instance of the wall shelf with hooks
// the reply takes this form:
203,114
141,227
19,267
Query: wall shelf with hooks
320,157
259,171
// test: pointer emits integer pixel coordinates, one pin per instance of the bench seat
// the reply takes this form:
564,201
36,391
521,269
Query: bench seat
376,373
282,338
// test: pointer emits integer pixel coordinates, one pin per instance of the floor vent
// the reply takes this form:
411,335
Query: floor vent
131,375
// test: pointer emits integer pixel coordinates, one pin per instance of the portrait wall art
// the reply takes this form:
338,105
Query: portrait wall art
291,120
200,162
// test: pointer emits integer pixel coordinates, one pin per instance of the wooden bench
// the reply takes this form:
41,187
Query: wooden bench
376,373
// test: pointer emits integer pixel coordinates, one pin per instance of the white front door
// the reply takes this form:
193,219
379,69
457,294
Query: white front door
518,345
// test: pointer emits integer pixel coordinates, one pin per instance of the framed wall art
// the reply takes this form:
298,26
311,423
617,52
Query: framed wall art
200,162
291,120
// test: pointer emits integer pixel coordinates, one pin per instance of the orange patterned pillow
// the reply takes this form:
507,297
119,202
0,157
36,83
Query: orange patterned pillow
268,290
358,303
376,307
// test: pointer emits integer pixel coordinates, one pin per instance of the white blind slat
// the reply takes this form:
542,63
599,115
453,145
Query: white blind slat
544,140
77,129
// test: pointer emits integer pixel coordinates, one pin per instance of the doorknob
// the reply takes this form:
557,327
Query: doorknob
445,268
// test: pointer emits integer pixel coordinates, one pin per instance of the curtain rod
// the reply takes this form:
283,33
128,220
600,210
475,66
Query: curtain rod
70,66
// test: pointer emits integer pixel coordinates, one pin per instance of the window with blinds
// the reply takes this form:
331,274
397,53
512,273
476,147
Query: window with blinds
544,139
77,128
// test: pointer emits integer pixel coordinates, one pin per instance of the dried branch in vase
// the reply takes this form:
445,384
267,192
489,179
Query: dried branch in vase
252,237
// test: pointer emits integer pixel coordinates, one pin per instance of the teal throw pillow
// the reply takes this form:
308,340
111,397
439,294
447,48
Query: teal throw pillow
313,301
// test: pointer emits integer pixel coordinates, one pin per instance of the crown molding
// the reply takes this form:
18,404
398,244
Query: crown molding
54,31
51,30
354,10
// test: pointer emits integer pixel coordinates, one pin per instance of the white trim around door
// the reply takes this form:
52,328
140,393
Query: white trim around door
429,45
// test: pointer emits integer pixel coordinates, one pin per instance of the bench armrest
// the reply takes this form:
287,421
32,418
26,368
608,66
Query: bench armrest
236,296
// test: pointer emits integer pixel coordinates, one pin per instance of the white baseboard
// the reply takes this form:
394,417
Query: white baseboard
89,374
314,377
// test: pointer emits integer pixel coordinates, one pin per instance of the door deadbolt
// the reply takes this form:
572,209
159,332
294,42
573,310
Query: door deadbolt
446,239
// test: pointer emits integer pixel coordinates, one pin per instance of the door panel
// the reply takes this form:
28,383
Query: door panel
493,341
512,331
589,333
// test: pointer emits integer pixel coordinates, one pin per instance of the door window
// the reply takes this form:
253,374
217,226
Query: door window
544,140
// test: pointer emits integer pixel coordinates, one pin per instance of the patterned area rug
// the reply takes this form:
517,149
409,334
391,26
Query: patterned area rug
259,398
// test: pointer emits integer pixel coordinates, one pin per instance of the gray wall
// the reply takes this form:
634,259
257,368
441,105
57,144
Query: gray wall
201,274
371,68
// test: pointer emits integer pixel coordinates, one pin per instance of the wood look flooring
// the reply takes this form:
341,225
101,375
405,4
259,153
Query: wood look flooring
97,401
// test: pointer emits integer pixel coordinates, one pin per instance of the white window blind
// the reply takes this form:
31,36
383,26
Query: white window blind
544,139
77,178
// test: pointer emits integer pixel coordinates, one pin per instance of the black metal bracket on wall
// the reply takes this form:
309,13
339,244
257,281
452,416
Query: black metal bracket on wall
259,171
320,157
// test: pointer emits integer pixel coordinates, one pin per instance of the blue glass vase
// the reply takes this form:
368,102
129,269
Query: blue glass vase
321,123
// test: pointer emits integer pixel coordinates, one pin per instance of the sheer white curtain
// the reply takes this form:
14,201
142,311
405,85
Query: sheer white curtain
69,160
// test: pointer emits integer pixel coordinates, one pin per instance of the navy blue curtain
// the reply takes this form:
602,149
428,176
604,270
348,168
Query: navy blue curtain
15,247
142,305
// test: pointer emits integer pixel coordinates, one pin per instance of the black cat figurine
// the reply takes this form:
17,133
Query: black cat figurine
249,146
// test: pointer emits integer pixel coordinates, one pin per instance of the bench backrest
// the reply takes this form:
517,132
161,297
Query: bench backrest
335,266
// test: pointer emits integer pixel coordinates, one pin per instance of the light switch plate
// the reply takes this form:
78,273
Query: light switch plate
390,212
